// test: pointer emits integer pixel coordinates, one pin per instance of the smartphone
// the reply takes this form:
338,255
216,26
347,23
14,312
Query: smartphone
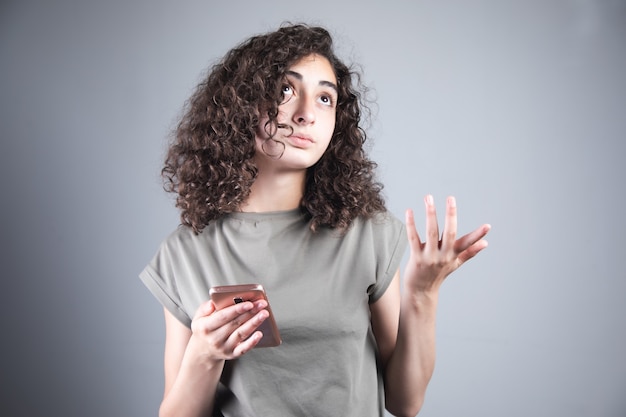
228,295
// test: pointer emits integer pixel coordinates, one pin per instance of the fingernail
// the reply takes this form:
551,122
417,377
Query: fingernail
429,199
452,201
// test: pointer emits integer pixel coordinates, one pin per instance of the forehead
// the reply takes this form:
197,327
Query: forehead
314,67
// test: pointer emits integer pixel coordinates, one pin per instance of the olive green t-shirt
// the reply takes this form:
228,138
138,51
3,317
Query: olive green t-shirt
319,286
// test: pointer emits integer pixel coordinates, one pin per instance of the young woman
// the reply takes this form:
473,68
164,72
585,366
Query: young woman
275,188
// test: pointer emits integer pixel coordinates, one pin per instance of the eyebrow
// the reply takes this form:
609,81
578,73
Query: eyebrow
322,82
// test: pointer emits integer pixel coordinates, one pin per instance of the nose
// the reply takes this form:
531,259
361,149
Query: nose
304,112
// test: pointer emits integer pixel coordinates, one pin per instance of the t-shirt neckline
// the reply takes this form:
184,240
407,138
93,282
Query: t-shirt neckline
292,214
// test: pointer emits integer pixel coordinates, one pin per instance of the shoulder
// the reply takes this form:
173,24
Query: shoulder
381,233
183,242
385,223
181,236
386,219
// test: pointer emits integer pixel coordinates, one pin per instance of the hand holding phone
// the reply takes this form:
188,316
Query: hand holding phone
228,295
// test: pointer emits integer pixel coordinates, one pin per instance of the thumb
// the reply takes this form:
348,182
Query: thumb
206,309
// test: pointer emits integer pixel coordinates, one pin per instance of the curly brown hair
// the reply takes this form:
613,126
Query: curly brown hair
210,162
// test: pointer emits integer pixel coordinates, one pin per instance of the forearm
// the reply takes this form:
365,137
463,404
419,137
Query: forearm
412,363
193,391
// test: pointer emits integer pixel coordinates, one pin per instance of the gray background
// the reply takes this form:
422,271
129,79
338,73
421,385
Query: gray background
516,107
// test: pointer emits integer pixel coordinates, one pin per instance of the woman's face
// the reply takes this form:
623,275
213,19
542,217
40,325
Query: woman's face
308,109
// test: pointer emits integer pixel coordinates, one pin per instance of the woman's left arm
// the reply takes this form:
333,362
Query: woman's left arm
404,321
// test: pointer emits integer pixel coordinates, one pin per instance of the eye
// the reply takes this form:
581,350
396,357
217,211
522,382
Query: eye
286,92
327,100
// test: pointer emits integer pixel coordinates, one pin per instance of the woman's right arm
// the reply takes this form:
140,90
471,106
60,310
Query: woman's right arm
194,358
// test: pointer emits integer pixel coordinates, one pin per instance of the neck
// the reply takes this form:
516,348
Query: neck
276,192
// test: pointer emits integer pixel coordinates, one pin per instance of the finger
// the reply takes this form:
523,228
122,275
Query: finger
432,227
247,345
220,318
448,238
246,319
472,251
411,231
469,239
242,332
472,243
220,335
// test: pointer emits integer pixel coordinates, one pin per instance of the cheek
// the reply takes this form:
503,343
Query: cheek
263,130
331,124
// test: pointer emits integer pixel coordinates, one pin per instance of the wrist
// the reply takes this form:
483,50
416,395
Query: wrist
197,355
423,300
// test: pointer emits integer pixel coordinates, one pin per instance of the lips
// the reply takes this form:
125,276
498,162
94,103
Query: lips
300,140
302,137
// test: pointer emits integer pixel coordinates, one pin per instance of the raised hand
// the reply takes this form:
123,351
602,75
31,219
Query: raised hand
438,256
